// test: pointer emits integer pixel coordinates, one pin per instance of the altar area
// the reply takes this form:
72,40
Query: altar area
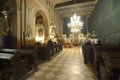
76,38
68,45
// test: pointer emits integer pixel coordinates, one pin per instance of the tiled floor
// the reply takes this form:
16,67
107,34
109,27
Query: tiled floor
67,65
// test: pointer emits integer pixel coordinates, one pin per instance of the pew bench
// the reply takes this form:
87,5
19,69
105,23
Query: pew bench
109,69
100,53
11,66
24,62
44,52
31,56
88,54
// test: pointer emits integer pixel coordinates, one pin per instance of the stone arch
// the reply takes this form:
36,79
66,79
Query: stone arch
45,15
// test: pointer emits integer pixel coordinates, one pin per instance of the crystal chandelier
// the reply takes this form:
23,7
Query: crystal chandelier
75,25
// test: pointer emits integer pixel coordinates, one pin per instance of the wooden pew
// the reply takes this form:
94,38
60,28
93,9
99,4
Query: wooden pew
25,54
11,65
56,48
44,52
59,47
88,54
5,63
31,57
110,67
30,52
99,54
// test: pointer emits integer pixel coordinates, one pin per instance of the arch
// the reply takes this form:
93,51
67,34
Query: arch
43,12
45,16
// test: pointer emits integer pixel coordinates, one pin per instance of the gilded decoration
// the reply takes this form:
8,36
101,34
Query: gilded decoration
39,28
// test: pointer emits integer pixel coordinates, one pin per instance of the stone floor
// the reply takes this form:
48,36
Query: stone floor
67,65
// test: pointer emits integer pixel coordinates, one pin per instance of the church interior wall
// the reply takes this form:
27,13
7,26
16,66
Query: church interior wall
105,21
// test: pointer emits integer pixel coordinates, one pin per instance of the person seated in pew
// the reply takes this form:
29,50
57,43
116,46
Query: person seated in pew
50,44
37,43
99,43
55,43
88,43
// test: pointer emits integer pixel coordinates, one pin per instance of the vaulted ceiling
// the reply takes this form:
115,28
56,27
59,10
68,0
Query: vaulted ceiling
66,8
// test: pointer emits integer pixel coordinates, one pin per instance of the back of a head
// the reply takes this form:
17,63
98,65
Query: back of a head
50,40
88,43
99,43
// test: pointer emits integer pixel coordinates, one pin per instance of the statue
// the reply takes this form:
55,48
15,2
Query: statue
28,32
39,31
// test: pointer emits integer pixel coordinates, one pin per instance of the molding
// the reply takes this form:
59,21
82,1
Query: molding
85,8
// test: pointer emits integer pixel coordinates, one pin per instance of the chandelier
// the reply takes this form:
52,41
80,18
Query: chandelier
75,24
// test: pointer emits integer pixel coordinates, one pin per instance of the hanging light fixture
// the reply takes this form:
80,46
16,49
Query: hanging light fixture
75,24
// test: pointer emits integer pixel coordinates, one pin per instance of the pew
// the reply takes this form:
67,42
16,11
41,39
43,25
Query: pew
60,47
88,54
11,65
110,67
27,55
56,48
99,53
44,52
93,55
31,57
30,53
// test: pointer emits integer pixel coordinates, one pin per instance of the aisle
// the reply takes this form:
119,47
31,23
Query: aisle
67,65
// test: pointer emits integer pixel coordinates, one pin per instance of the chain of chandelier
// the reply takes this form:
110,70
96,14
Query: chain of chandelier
75,24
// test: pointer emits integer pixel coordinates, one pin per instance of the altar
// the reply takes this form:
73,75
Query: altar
67,45
76,38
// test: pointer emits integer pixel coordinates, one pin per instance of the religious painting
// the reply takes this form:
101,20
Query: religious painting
41,31
39,27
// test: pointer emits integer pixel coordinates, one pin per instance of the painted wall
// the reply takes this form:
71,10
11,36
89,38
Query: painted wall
105,20
32,7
